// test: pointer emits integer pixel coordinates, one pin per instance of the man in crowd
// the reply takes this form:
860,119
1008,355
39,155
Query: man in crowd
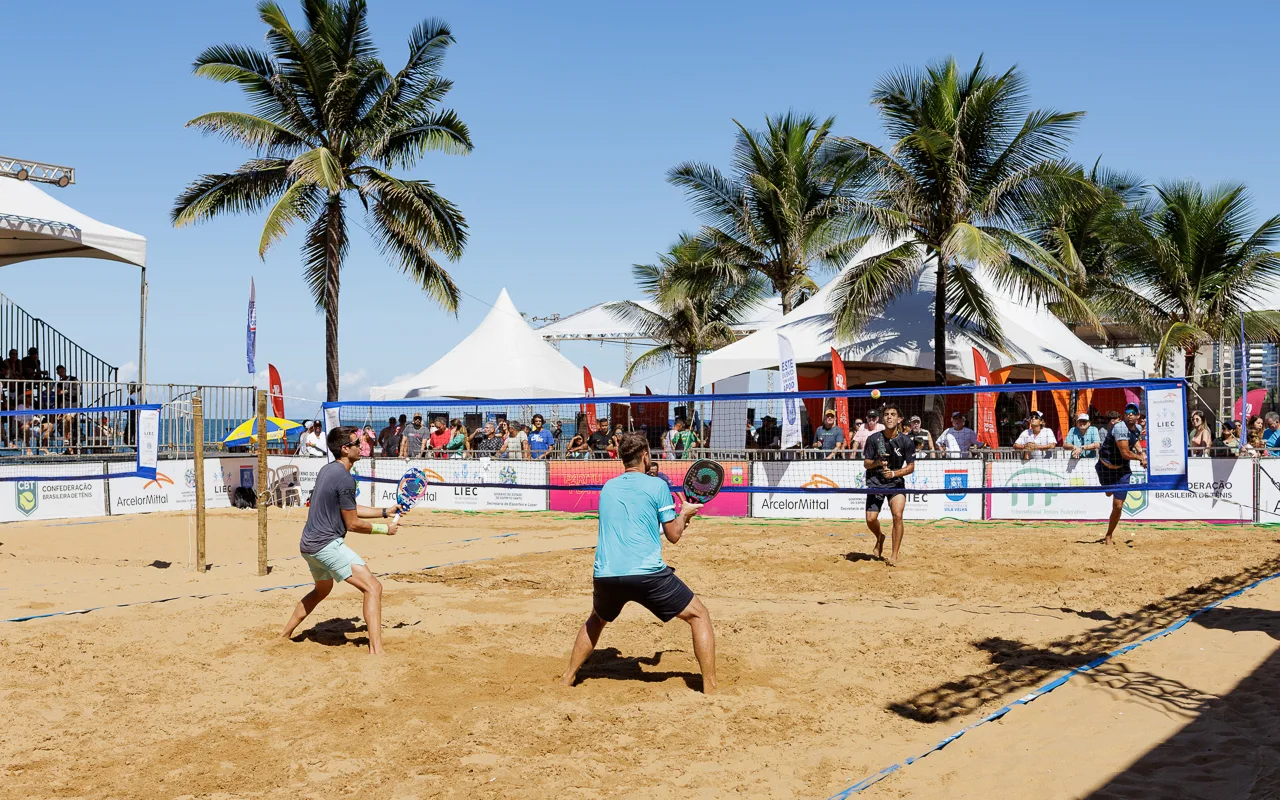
1083,440
440,436
959,439
489,444
636,512
1272,437
889,457
413,440
1119,447
920,435
829,437
767,438
333,514
599,439
679,440
389,439
542,442
872,425
1037,440
31,370
314,441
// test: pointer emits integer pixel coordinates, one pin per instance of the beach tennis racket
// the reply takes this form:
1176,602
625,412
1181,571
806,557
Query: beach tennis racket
410,490
703,480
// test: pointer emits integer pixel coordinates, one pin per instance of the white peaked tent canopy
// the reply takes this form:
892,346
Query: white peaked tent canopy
503,358
898,344
598,322
34,225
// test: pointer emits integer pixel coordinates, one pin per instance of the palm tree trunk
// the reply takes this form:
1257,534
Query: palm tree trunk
940,327
692,386
1189,363
333,264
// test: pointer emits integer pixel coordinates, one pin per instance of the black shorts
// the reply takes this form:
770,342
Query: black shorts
1114,477
661,592
875,502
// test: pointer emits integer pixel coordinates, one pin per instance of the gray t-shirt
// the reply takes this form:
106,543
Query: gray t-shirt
335,492
413,440
829,437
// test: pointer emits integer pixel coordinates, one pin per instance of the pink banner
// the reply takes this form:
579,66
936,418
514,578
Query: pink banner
1253,402
590,472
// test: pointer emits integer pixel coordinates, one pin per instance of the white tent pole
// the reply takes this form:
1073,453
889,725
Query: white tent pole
142,338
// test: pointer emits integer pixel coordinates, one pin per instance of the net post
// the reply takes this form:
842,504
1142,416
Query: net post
197,434
262,482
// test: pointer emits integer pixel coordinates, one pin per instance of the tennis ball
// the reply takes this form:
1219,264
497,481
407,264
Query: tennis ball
875,394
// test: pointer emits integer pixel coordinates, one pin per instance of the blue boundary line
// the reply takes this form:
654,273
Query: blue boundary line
269,588
1035,694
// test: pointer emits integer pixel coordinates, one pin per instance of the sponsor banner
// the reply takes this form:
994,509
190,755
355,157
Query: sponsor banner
465,498
1167,433
1219,489
597,471
1268,490
954,474
43,499
790,383
174,486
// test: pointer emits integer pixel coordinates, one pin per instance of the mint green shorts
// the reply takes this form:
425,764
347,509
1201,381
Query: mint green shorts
333,562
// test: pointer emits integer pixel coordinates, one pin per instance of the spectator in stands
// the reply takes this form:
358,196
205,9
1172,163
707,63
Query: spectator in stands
613,440
871,426
767,438
488,443
542,442
516,445
131,421
1083,440
1201,437
599,439
1271,436
302,439
557,430
749,443
385,437
413,441
679,440
104,436
1037,440
920,437
1228,444
440,437
314,441
829,438
578,448
31,370
459,440
13,365
957,440
367,441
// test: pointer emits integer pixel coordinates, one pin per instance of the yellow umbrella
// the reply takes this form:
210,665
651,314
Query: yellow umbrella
247,431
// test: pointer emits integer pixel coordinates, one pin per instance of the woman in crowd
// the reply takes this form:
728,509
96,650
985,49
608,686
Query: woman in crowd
1254,444
578,447
459,442
1228,444
516,442
1201,436
367,438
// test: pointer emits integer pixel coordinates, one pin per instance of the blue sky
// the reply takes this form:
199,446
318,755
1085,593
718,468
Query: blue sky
577,111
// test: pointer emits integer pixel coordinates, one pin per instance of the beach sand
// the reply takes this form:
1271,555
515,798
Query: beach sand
832,666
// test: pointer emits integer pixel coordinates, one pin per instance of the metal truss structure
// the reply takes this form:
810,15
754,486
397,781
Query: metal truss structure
37,171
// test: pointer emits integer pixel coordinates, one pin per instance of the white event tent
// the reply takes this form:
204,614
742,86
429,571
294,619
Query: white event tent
34,225
598,322
898,344
503,358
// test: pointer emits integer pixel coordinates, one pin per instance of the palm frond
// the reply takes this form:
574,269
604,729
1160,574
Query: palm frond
865,288
247,190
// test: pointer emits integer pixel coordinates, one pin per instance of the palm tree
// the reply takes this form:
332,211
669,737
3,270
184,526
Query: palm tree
969,167
780,214
1188,269
698,304
329,121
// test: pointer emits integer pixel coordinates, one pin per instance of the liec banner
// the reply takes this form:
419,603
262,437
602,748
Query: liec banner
840,384
790,383
985,425
594,472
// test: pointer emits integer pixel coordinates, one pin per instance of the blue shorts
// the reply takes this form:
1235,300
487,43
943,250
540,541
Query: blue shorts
661,592
1112,478
333,562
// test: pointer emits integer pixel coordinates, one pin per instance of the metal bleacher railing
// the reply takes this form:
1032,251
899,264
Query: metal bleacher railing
21,331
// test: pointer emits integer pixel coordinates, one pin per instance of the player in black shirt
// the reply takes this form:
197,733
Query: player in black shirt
888,456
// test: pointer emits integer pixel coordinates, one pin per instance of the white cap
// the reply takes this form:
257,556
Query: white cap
307,424
1082,416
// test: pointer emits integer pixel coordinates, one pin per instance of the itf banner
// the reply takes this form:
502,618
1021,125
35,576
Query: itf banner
791,435
985,424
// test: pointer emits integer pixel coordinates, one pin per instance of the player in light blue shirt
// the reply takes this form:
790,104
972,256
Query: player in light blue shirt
636,512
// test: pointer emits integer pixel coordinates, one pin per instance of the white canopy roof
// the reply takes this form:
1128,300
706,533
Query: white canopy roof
34,225
503,358
899,342
598,322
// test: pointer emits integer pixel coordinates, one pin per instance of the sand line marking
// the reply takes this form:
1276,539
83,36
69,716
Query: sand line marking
1037,693
282,586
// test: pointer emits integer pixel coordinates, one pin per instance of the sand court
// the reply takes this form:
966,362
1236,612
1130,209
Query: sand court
832,666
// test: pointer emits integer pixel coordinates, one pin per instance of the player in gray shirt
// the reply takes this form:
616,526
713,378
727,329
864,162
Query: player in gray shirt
332,515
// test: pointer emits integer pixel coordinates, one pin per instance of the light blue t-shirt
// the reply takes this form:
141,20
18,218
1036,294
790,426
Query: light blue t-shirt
540,442
1074,439
1272,440
633,508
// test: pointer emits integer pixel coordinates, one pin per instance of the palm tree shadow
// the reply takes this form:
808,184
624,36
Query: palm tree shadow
862,557
333,632
609,663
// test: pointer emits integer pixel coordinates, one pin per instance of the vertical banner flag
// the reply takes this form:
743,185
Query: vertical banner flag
790,383
589,409
840,384
277,395
985,424
1244,374
251,334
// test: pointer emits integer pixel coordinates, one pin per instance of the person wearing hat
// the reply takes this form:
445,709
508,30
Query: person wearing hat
872,425
1082,440
1227,444
829,437
919,435
957,440
302,438
1119,447
1037,440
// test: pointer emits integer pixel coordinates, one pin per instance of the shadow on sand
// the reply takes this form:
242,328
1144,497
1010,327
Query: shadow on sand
609,663
333,632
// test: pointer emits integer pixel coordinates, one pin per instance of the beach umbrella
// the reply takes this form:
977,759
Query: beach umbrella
247,431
